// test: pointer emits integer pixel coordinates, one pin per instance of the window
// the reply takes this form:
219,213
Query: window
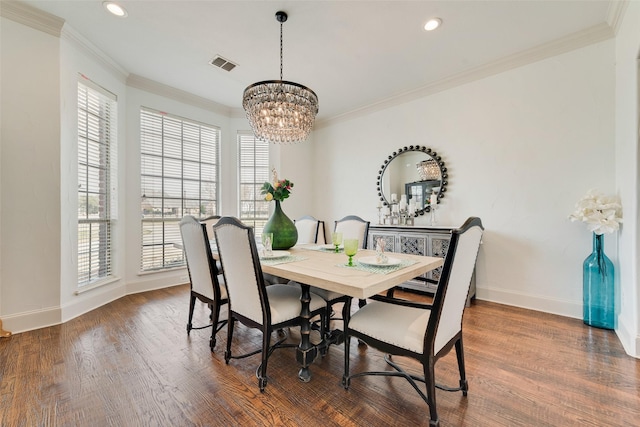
179,176
97,112
254,171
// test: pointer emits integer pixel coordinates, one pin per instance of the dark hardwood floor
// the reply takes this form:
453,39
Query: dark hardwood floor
131,363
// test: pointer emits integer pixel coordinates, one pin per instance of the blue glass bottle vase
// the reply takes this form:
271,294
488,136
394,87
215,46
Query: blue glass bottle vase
598,292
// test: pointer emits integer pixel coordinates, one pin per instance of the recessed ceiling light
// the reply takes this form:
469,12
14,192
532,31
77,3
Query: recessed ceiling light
115,8
432,24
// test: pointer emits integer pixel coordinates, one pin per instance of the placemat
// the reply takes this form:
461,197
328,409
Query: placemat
378,269
284,259
324,249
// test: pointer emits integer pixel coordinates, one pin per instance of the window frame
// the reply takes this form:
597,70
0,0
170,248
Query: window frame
168,148
261,174
97,111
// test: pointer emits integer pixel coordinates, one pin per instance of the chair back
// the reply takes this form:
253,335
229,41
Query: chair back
309,230
453,288
210,221
353,227
202,269
241,268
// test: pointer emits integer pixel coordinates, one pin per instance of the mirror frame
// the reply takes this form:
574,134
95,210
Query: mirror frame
418,148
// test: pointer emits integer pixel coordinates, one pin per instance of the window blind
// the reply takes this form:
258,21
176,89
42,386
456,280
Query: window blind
253,155
97,112
179,176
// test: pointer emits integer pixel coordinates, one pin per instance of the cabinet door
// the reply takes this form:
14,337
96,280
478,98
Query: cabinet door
388,238
438,246
415,244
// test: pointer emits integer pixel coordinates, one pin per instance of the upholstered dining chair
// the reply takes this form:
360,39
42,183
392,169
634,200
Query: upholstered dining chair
251,302
206,283
351,227
310,230
424,332
209,222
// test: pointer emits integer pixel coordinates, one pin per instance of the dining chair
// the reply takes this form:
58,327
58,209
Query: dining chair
251,302
351,227
424,332
206,283
310,230
209,222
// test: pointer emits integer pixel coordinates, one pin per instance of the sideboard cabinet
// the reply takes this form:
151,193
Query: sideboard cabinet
417,240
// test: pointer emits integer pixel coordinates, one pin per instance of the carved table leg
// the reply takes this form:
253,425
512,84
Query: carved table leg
306,352
3,333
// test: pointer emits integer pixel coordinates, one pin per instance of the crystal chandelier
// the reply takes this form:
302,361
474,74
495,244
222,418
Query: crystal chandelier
280,111
428,170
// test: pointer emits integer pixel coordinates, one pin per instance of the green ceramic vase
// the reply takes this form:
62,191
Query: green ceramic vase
285,233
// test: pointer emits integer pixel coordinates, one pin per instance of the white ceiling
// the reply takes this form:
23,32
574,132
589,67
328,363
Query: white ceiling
353,54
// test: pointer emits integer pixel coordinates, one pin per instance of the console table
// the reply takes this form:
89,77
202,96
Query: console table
417,240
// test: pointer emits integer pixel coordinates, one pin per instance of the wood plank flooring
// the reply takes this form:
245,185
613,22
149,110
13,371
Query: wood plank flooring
131,363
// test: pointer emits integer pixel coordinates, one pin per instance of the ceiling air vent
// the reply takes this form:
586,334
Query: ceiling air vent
220,62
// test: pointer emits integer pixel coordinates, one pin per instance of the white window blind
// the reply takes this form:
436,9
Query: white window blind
179,176
253,155
97,112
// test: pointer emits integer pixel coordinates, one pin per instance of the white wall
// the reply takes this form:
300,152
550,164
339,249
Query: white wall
78,56
521,148
628,175
30,169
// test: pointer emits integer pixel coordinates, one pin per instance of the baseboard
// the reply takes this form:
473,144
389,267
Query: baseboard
630,343
30,320
531,302
86,302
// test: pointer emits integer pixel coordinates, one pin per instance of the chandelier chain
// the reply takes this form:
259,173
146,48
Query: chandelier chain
280,50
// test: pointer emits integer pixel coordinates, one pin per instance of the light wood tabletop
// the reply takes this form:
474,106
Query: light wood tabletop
322,269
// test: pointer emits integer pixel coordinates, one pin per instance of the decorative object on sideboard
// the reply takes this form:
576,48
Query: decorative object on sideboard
285,233
415,172
602,214
280,111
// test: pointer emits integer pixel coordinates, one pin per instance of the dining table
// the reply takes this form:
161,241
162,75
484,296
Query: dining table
325,268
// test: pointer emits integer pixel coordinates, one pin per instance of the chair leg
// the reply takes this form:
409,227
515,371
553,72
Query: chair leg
464,385
346,315
192,304
430,383
230,324
262,379
214,329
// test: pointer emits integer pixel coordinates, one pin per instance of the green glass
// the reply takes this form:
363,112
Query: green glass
336,239
350,249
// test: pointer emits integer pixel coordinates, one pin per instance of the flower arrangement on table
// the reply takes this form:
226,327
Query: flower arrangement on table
602,214
279,190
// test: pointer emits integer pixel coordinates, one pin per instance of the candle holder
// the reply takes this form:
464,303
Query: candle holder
380,216
433,220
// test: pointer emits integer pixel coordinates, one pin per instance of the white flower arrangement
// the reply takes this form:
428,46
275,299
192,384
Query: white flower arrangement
602,214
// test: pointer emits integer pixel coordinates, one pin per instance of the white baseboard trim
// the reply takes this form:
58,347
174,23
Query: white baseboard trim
531,302
30,320
86,302
92,299
630,343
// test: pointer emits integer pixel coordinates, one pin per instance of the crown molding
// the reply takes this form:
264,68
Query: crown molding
574,41
152,86
91,50
27,15
615,14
